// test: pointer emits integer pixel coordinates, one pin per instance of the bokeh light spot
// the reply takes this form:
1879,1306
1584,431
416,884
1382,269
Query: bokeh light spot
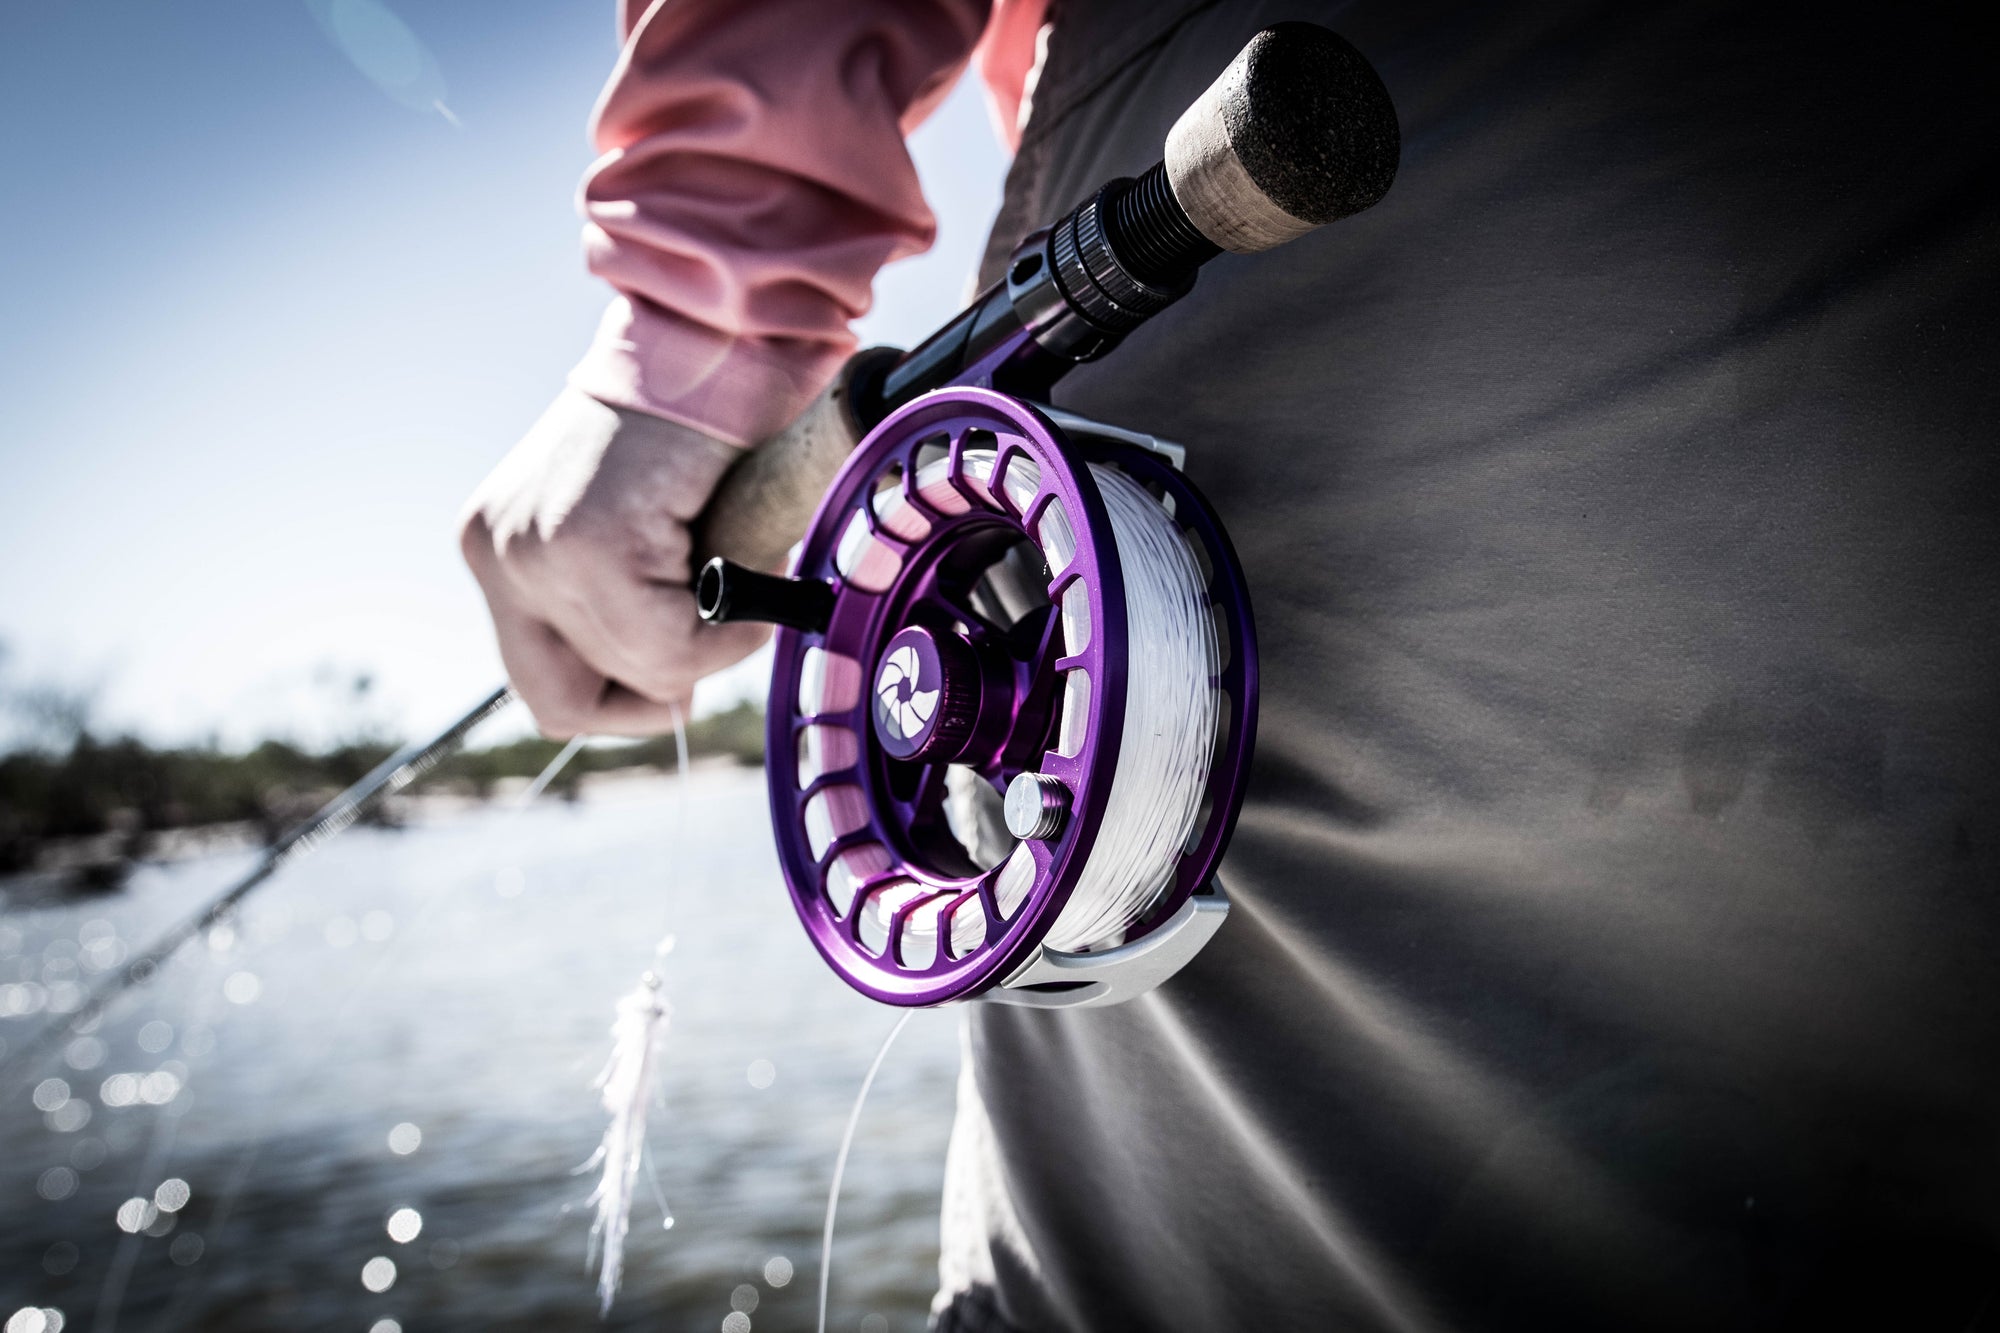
242,988
172,1195
56,1183
405,1224
744,1298
50,1093
777,1270
405,1139
21,998
762,1073
155,1037
736,1322
136,1214
186,1249
379,1273
84,1053
68,1118
102,949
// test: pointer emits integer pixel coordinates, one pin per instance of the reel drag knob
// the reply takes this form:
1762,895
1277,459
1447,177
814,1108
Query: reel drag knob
926,696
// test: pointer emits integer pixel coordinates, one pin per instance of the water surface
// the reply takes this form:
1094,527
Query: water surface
460,976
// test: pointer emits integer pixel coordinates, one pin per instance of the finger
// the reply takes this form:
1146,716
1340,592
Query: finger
584,703
620,712
570,698
646,635
559,687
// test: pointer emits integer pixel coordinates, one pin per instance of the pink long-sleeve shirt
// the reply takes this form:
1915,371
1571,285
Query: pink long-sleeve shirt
752,180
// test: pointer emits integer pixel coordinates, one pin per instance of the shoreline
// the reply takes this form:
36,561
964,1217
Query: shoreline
67,869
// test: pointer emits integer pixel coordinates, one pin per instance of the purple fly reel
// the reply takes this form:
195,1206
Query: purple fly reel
975,661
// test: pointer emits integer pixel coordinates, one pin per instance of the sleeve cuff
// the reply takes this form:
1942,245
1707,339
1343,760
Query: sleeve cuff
737,389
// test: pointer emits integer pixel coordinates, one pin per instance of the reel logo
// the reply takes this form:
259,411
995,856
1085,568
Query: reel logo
902,709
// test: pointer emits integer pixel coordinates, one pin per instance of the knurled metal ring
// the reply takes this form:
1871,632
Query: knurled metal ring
1086,297
1093,245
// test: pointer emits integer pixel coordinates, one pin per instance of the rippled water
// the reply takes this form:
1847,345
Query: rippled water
446,990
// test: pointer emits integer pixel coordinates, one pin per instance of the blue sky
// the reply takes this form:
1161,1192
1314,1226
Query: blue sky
266,320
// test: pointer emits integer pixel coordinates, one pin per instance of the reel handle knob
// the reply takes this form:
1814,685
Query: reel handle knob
726,591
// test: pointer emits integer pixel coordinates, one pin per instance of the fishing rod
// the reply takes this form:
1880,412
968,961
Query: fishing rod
969,594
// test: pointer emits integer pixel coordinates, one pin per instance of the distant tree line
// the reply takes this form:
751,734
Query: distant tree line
59,781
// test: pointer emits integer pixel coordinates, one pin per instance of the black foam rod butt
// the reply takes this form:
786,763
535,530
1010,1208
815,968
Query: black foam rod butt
1296,133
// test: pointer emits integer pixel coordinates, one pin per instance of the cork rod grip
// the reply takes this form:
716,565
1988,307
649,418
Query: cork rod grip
1297,132
764,502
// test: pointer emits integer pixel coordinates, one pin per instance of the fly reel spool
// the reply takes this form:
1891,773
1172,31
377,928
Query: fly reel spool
1030,611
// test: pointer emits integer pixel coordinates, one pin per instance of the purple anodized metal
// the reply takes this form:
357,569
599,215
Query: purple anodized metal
910,677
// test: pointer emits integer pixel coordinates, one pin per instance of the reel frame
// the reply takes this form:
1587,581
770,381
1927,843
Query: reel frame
998,699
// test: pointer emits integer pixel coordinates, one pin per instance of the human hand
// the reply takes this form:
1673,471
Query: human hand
579,539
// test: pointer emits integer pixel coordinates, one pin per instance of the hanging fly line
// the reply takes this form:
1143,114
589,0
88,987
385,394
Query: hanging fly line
840,1161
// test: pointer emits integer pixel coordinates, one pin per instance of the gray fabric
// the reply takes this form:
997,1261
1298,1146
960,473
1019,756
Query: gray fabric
1615,907
974,1310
